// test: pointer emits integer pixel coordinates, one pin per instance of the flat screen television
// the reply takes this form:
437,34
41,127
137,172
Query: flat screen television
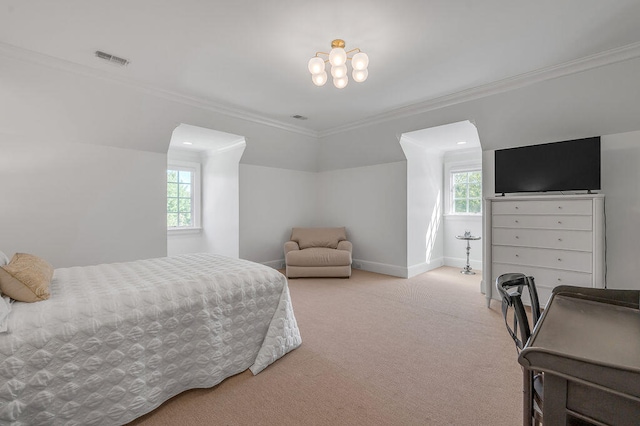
560,166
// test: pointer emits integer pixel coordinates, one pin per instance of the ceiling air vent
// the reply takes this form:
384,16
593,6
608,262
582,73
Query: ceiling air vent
111,58
299,117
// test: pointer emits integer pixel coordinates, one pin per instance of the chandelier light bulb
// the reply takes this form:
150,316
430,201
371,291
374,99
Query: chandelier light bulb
360,75
340,83
337,56
319,79
360,61
339,71
316,65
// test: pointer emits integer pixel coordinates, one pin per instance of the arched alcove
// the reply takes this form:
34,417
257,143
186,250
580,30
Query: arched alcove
218,154
431,230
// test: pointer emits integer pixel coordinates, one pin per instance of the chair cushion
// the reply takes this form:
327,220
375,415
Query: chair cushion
318,256
318,237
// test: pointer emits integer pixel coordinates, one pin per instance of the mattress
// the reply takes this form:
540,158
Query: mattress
114,341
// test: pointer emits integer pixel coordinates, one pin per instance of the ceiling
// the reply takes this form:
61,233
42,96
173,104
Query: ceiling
458,136
251,56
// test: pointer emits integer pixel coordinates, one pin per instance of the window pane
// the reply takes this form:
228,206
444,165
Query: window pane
172,219
460,191
172,176
475,190
185,190
459,178
475,206
461,206
185,177
172,205
172,189
185,205
185,219
475,177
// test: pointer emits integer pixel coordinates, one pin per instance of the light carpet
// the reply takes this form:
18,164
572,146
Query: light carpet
376,350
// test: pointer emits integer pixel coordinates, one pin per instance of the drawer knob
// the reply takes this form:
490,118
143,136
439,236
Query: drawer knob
517,255
517,237
560,222
517,207
559,279
559,260
559,239
560,207
516,221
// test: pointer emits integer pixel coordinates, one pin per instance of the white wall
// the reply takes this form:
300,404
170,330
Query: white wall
78,204
272,201
620,179
424,208
56,107
371,203
221,200
60,116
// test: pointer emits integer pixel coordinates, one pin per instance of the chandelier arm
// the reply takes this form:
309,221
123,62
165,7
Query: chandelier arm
353,50
321,53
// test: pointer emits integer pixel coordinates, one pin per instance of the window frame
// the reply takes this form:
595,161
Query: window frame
451,170
196,196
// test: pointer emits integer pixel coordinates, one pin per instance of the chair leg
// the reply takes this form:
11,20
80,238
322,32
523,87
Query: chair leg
527,398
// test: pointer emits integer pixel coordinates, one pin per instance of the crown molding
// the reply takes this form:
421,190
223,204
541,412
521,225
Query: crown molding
608,57
620,54
25,55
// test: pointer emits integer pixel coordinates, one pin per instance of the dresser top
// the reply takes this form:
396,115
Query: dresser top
520,197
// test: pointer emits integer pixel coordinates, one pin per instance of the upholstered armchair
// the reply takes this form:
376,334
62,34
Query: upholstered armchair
318,252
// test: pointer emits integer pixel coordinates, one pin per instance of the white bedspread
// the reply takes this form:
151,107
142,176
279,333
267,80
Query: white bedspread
115,341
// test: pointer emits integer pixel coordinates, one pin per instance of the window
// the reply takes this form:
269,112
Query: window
466,192
183,196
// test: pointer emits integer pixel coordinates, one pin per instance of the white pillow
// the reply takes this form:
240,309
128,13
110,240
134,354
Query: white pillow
4,260
5,308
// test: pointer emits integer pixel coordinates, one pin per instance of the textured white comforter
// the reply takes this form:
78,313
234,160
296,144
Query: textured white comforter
115,341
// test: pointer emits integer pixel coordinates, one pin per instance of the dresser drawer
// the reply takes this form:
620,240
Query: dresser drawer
545,279
555,207
544,238
582,223
579,261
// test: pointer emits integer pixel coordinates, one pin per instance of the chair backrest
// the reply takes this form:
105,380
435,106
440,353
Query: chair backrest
510,286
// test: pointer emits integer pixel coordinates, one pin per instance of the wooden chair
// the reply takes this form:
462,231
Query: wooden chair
510,287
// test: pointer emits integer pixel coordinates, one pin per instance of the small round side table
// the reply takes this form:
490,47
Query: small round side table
467,237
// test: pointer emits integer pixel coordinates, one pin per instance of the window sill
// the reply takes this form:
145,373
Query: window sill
463,216
183,231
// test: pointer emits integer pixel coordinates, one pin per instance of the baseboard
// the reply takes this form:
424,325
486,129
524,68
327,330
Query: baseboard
421,268
460,262
380,268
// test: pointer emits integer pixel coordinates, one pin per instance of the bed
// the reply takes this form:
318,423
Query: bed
114,341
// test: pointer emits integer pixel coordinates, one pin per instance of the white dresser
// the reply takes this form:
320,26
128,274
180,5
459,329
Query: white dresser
559,240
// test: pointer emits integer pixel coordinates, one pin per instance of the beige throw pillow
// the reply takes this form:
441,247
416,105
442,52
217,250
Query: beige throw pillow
26,278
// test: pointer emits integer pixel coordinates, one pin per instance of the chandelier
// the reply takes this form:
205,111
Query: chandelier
338,58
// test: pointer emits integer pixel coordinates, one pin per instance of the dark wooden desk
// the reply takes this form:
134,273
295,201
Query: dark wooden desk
589,351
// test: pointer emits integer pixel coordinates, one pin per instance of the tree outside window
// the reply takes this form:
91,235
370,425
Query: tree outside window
467,192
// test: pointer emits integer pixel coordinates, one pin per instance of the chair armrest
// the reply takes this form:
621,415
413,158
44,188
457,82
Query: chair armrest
345,245
290,246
